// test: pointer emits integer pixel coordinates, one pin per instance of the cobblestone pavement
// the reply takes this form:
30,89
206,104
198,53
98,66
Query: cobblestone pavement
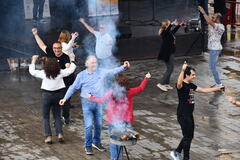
217,121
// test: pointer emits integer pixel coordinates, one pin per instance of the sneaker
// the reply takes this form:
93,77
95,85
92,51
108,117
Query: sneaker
34,20
216,85
162,87
88,150
42,20
48,140
99,147
175,155
168,87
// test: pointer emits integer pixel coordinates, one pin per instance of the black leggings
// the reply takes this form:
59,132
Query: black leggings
187,126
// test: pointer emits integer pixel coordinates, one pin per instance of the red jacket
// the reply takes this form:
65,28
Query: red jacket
120,110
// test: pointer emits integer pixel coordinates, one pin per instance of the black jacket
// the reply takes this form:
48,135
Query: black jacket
168,43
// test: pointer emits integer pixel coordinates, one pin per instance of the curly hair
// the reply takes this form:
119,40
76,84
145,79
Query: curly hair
51,67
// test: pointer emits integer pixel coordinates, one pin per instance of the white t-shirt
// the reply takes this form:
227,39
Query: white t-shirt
214,36
52,84
67,48
104,44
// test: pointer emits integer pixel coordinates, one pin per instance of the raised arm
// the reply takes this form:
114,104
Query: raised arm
176,28
206,17
120,69
39,40
89,28
69,45
181,76
33,71
142,86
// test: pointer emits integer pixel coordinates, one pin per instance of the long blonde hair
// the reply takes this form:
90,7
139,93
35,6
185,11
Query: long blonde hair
64,36
165,24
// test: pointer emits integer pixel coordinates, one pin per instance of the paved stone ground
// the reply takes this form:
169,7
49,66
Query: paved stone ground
217,121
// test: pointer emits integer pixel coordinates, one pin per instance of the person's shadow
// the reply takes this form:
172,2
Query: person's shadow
215,99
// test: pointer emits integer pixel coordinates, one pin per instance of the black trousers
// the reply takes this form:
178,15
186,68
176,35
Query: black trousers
38,8
66,108
170,67
187,126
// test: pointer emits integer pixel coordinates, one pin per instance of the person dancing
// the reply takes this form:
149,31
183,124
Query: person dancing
53,90
216,30
167,50
185,90
89,81
67,41
104,44
120,107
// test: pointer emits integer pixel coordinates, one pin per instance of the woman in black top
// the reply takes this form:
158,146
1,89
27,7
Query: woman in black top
167,51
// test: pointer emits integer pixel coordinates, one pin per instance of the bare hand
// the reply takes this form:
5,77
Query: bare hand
126,64
222,88
62,101
148,75
81,20
175,22
89,95
74,35
231,99
34,58
201,9
34,31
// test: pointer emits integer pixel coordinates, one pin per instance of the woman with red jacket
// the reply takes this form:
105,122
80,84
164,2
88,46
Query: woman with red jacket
120,106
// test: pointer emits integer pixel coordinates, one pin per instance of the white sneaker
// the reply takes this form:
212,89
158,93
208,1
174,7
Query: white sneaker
162,87
175,155
168,87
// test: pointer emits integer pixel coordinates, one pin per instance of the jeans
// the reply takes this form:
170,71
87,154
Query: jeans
92,114
50,101
115,150
38,8
167,75
213,64
187,126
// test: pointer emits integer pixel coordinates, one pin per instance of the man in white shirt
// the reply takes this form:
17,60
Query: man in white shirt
104,41
216,30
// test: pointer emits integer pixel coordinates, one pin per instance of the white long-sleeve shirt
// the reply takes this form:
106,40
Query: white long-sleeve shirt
67,48
52,84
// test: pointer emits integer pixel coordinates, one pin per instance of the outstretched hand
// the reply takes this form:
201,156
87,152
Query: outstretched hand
74,35
231,99
148,75
175,22
34,31
62,101
200,8
89,95
34,58
126,64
